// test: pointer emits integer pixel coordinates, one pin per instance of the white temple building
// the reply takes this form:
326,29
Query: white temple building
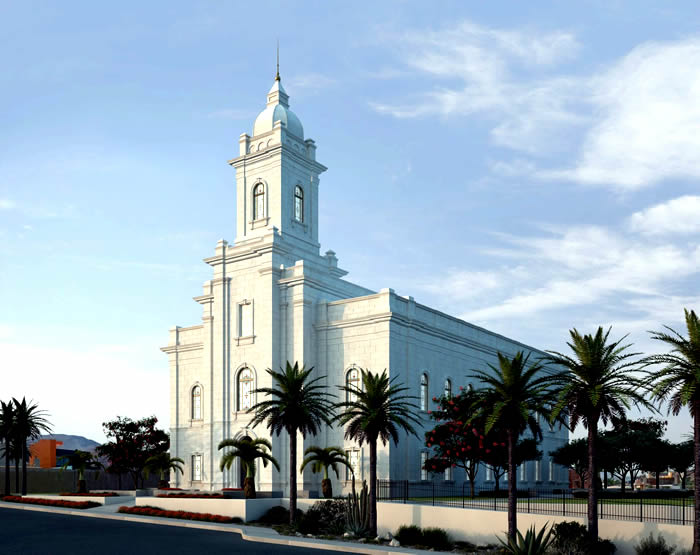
274,298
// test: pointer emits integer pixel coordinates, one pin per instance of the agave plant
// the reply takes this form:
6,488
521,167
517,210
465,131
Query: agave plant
532,543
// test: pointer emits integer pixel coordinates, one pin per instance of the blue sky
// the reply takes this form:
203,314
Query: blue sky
529,167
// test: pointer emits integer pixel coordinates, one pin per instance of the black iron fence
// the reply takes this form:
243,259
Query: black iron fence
668,506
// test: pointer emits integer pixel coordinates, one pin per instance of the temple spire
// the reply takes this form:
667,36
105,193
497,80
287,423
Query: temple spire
277,77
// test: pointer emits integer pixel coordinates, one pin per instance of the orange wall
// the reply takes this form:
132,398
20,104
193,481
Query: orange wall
45,451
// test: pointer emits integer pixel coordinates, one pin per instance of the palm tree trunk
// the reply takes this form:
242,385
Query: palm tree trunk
592,486
696,438
292,475
24,467
512,491
7,466
373,488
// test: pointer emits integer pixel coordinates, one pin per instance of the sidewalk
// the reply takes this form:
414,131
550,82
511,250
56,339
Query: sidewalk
248,533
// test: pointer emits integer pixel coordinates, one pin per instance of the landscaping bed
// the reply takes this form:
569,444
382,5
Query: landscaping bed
51,502
147,510
193,495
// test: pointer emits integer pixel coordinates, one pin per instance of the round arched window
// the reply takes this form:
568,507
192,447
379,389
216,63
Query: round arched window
298,204
259,201
246,388
352,382
196,403
424,392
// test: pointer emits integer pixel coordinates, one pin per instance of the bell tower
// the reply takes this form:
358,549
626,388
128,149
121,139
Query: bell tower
277,176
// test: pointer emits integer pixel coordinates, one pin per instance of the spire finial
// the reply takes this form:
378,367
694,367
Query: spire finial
277,77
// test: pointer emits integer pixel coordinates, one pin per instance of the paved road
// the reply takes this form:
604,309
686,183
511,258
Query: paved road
37,533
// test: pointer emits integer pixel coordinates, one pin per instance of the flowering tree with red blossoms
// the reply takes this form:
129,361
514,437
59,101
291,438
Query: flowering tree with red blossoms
458,442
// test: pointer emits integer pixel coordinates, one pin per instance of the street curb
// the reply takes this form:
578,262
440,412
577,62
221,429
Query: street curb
246,533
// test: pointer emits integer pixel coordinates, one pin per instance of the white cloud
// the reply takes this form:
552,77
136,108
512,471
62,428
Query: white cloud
648,119
680,215
7,204
305,83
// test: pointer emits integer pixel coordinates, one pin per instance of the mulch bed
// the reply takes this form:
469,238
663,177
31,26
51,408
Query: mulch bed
193,495
52,502
182,515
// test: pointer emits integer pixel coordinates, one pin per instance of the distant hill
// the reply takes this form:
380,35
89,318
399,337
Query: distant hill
73,442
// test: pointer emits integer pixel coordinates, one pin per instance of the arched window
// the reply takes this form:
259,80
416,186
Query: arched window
246,383
448,388
196,403
298,204
258,201
352,382
424,392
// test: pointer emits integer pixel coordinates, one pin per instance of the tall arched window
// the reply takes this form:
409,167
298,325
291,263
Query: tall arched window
196,403
258,201
352,382
424,392
448,388
298,204
246,383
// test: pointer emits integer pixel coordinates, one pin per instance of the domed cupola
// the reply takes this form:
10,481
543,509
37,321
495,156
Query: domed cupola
278,110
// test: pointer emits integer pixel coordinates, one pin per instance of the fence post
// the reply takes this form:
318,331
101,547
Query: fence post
433,493
463,494
494,500
405,492
683,510
563,502
641,508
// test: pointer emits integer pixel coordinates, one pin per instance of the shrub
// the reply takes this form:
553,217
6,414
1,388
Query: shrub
409,535
276,515
571,538
436,538
52,502
193,495
95,494
654,546
324,517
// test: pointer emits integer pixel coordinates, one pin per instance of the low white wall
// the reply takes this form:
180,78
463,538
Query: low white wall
482,527
247,509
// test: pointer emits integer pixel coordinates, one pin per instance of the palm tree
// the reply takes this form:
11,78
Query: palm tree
597,386
162,463
378,410
512,397
294,404
678,382
248,451
82,461
30,422
7,424
323,458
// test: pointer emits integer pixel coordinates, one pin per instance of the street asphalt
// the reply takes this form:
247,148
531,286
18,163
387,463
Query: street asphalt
40,533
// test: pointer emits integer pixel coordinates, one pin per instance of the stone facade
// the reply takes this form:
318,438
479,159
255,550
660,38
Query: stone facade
274,298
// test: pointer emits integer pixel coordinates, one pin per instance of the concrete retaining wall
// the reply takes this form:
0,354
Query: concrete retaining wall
482,527
97,499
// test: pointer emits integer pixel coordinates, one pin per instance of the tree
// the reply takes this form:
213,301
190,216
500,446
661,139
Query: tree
248,451
323,458
294,404
82,461
598,385
678,382
135,441
30,422
496,455
631,445
681,458
573,455
513,395
453,441
379,410
163,464
7,426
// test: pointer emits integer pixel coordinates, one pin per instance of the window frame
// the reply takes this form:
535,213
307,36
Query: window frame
298,202
197,458
251,392
196,392
447,389
423,471
424,392
349,396
259,192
